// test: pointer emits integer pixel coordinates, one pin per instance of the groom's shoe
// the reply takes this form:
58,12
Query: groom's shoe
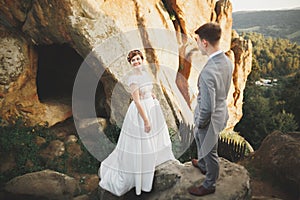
201,191
195,164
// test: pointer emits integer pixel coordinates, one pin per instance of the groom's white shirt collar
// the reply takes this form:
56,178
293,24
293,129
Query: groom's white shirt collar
215,53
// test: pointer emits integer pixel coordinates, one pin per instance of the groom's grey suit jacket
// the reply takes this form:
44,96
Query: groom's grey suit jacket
213,83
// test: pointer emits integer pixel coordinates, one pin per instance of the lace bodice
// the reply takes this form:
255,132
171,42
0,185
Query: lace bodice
144,83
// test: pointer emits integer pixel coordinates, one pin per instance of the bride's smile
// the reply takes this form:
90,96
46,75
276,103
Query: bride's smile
136,61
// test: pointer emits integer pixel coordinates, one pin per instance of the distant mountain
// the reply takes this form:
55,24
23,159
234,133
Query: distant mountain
279,23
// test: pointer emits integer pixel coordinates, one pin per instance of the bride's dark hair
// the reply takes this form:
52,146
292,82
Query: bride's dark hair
133,53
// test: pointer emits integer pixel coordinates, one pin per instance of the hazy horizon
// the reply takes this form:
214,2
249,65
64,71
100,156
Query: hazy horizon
296,8
260,5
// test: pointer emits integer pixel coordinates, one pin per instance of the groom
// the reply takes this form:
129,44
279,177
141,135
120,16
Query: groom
211,112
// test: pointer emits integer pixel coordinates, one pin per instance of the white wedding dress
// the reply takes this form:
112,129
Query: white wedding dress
132,163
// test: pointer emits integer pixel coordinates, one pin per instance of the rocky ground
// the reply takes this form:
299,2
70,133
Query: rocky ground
261,186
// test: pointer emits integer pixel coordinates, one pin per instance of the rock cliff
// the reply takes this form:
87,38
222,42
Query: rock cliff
101,33
67,58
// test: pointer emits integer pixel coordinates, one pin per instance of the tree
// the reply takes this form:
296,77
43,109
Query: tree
291,95
284,122
271,108
256,121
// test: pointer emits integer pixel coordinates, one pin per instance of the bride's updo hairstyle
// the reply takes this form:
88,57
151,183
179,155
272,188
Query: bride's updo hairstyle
133,53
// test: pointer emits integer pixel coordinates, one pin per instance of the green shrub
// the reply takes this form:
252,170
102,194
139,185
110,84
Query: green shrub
19,141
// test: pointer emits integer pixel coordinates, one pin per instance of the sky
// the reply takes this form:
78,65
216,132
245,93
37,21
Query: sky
239,5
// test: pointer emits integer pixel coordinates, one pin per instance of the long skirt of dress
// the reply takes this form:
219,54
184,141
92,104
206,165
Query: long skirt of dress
132,163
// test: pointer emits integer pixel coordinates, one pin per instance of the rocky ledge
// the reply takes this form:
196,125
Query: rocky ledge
172,179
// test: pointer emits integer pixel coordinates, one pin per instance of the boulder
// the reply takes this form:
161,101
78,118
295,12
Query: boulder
278,158
46,184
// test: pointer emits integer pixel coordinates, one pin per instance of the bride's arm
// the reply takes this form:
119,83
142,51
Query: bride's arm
136,98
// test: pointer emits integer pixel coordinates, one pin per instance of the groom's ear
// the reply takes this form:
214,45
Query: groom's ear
204,42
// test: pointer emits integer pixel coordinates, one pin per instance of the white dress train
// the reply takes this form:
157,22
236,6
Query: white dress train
132,163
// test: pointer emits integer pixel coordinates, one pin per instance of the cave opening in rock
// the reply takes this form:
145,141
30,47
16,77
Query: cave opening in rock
57,69
56,73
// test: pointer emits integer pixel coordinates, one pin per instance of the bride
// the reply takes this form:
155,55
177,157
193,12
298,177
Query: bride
144,140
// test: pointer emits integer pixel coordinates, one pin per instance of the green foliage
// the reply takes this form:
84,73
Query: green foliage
86,163
112,132
291,96
263,112
266,109
285,122
272,57
223,149
19,142
190,153
238,139
256,114
232,146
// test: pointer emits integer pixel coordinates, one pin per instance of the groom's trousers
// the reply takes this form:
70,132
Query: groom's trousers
209,161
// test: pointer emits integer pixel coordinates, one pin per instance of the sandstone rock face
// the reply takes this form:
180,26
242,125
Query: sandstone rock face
105,31
172,179
241,53
279,158
224,18
18,91
17,76
44,184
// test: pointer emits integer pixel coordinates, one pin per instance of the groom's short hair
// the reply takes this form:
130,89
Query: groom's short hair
210,32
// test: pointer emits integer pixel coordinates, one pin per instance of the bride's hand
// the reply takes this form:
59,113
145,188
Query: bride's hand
147,127
153,96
